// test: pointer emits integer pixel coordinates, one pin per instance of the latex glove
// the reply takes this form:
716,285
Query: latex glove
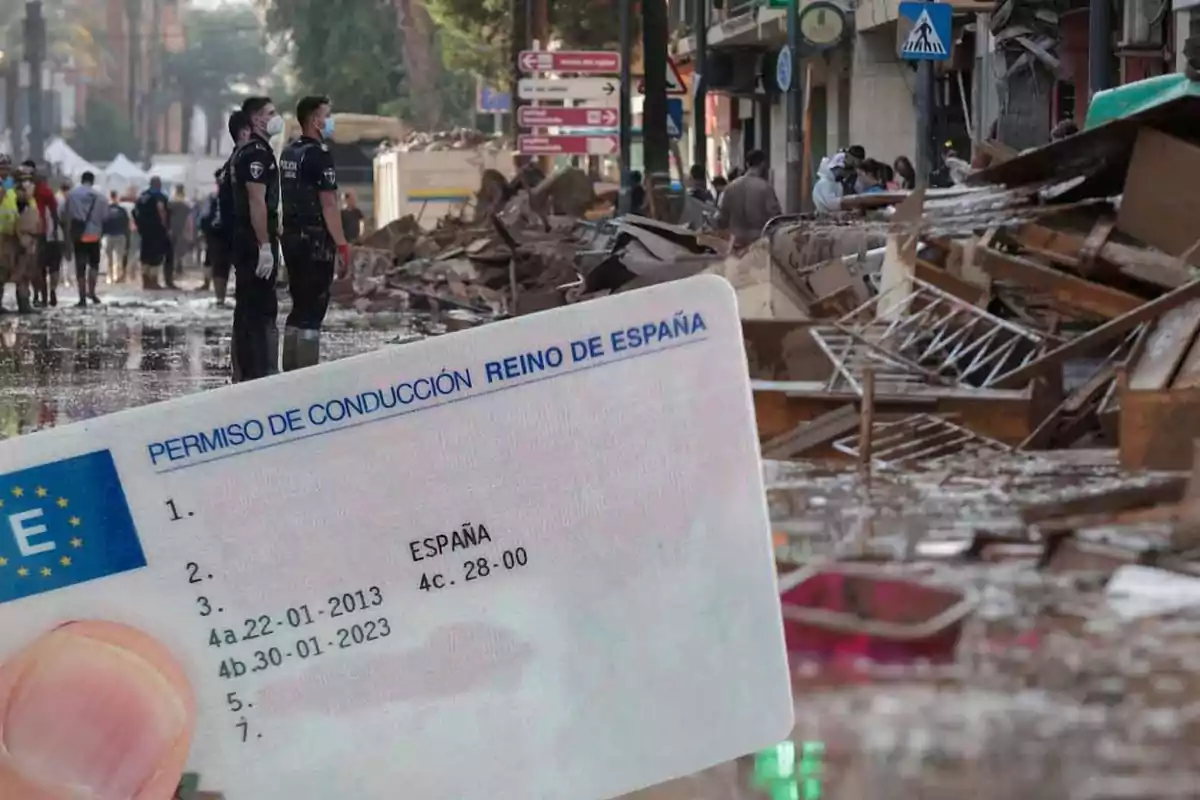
266,262
345,256
93,709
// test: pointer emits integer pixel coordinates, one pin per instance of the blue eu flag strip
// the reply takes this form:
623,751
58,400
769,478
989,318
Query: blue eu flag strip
64,523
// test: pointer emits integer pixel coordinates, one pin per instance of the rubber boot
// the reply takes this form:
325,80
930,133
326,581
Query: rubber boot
272,350
308,351
91,283
23,304
291,346
53,289
150,278
220,287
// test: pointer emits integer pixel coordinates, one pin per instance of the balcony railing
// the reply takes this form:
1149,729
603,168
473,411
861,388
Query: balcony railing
680,12
735,7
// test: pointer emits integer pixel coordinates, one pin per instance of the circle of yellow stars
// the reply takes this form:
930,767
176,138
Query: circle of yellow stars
74,521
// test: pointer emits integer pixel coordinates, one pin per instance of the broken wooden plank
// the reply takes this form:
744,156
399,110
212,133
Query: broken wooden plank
835,305
814,433
1103,333
1188,376
1068,290
1090,392
1091,248
1122,498
950,284
866,421
1169,340
1140,263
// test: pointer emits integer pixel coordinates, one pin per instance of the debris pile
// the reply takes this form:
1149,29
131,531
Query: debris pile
529,245
1053,302
455,139
975,404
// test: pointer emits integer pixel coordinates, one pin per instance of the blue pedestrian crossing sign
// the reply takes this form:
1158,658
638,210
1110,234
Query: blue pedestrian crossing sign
929,37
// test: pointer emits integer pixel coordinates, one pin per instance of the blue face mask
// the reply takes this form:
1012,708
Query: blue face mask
327,130
9,183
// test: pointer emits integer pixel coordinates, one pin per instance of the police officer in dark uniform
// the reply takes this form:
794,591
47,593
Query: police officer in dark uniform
221,222
256,245
312,231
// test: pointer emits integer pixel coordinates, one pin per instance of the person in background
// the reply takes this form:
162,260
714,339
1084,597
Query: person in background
828,191
256,245
220,246
749,202
68,255
48,227
52,246
29,224
116,238
205,225
855,155
1063,129
313,240
889,177
179,214
86,209
699,184
8,222
637,193
906,174
719,184
352,218
870,177
151,215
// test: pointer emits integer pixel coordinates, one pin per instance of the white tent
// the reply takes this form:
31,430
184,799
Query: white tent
68,162
122,176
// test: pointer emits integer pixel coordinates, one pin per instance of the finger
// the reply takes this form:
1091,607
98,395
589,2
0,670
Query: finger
93,709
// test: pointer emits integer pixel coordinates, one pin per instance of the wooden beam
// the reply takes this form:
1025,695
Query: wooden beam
1140,263
807,435
1169,340
1110,330
1121,498
937,277
1069,290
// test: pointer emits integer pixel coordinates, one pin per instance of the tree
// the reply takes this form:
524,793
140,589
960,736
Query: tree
477,33
351,52
108,131
221,64
455,90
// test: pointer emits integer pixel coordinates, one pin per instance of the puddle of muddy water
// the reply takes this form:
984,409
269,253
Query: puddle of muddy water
68,364
1047,698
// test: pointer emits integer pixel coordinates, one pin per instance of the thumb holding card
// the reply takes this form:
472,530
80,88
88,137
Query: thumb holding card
97,709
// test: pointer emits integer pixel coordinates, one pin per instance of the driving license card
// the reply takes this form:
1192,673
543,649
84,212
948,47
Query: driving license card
529,560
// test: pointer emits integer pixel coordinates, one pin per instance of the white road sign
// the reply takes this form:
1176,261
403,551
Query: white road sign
570,89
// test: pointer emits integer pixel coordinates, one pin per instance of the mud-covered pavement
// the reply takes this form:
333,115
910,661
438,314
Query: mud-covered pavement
68,364
1048,695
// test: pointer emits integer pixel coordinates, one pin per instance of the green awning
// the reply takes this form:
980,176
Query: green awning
1136,98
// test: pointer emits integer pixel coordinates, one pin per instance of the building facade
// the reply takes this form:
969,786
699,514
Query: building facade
861,92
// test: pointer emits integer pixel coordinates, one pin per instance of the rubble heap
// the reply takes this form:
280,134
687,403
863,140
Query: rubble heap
454,139
1025,310
530,244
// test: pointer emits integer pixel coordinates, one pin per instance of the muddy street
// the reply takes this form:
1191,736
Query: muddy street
68,364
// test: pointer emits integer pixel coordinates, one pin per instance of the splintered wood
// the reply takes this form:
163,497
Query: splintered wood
1014,306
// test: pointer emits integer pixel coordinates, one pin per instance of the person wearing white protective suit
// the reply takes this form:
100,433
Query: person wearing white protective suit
827,193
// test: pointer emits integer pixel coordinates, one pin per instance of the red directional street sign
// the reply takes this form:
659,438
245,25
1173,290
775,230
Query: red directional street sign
568,145
544,117
585,62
